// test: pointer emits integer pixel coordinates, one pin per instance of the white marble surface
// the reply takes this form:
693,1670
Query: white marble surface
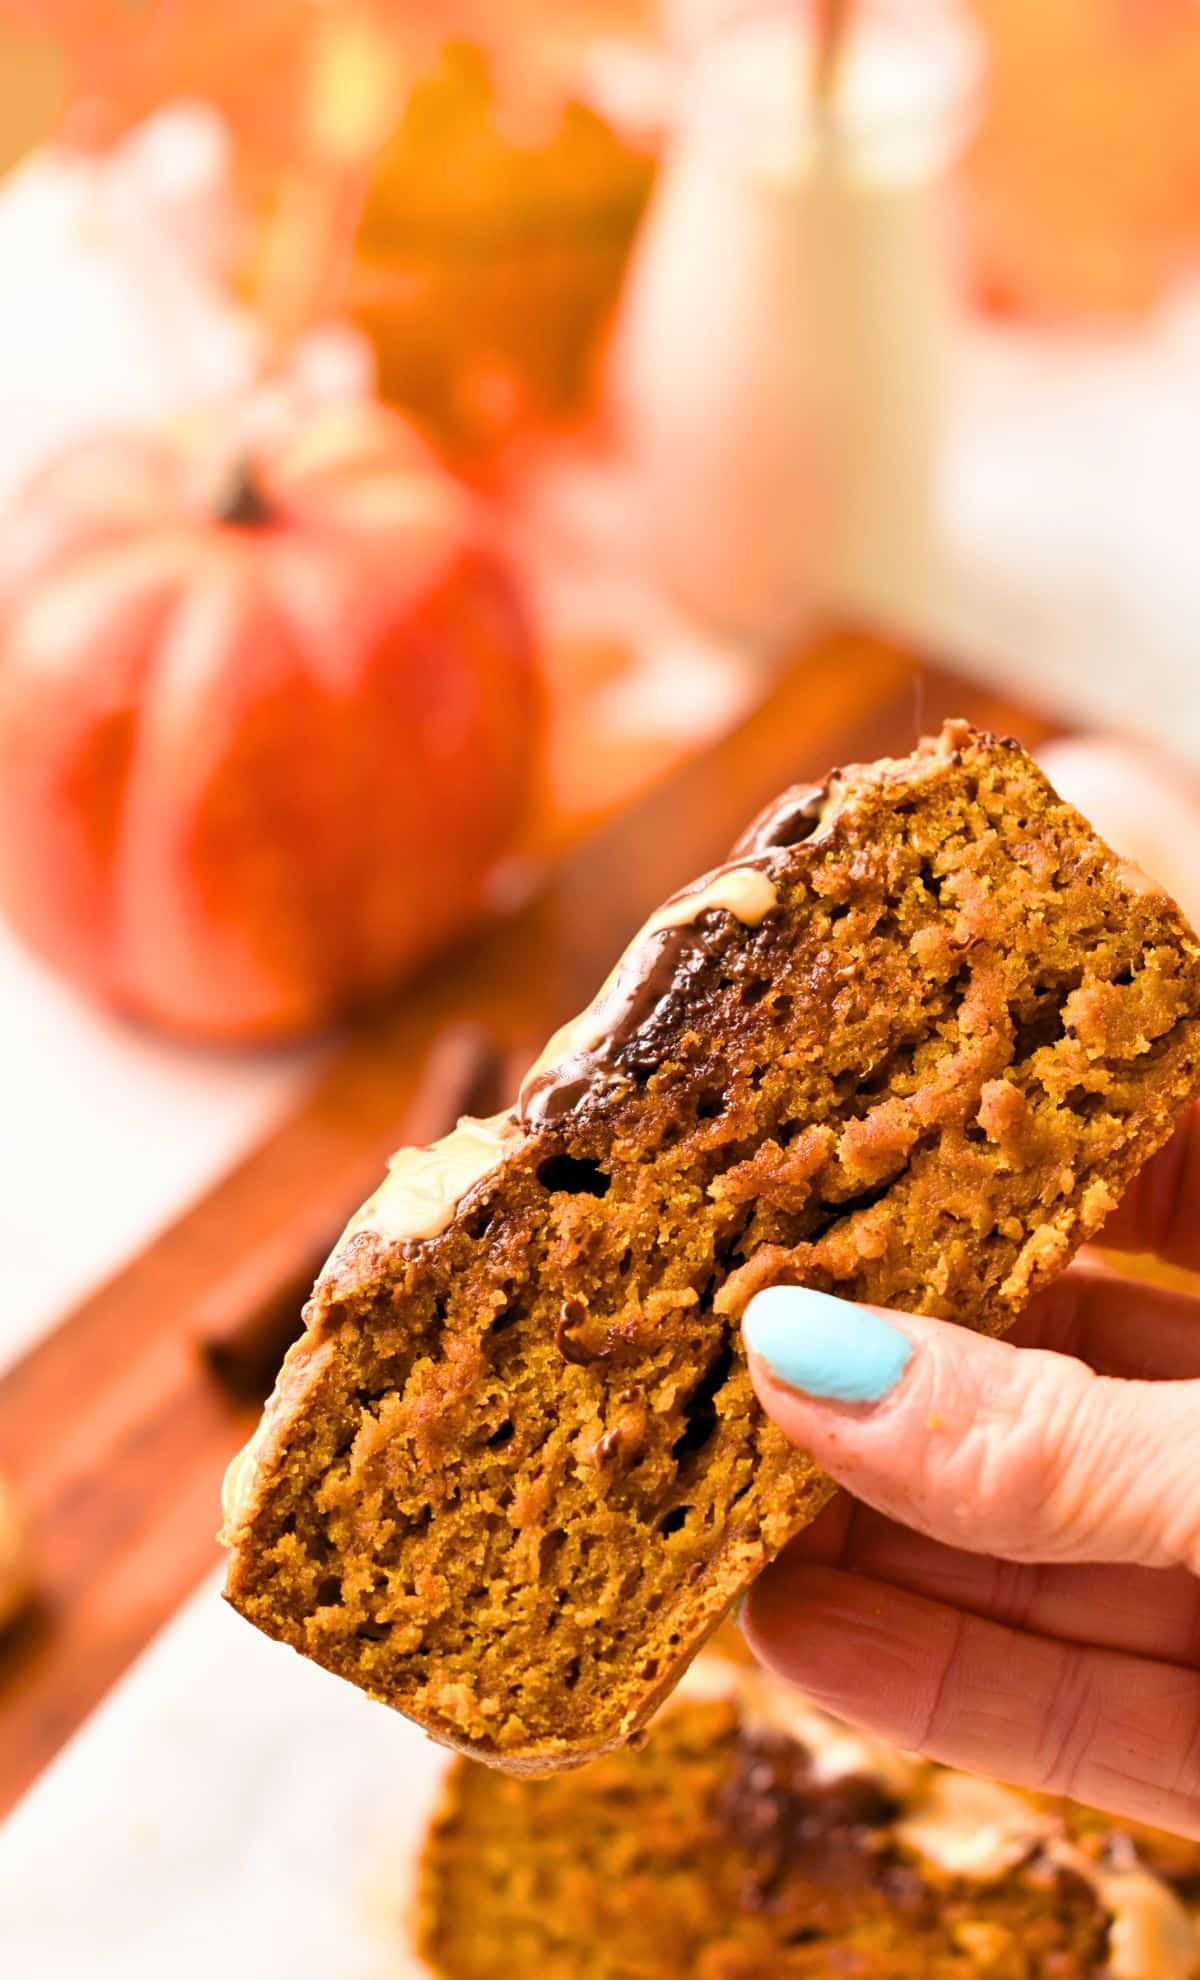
229,1810
232,1811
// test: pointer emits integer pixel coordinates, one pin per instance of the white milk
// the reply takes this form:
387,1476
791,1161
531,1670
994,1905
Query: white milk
780,370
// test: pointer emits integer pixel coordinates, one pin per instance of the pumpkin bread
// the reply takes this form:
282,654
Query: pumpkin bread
909,1045
756,1839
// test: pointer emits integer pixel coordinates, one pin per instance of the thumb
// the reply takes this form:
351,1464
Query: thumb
1017,1452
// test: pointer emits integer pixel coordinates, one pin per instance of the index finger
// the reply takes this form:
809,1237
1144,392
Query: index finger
1160,1211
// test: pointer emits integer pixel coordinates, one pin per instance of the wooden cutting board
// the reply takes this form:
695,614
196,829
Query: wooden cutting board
115,1430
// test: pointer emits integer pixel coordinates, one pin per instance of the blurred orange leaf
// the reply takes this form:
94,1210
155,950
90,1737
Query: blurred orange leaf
489,257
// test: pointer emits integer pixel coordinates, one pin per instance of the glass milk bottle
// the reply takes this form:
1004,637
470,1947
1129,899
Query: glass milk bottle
779,371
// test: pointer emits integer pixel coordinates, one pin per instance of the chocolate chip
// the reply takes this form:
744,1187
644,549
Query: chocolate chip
572,1315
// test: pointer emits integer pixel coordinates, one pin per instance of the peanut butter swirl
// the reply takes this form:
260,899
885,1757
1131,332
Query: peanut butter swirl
424,1186
581,1055
978,1829
970,1829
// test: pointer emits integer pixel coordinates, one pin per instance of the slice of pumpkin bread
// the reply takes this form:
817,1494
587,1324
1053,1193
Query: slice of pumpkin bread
909,1045
758,1839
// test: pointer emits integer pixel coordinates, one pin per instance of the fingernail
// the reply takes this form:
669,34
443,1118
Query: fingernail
823,1346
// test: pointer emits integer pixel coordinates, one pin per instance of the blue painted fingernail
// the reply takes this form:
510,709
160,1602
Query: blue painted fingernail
823,1346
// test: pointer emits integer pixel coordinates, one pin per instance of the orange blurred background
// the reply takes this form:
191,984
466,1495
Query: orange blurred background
437,205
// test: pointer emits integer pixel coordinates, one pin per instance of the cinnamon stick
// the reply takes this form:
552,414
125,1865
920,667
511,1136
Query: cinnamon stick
16,1576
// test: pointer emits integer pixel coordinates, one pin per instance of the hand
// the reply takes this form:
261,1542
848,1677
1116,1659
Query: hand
1012,1588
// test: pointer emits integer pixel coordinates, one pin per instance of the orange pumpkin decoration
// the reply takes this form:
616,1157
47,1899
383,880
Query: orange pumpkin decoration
257,756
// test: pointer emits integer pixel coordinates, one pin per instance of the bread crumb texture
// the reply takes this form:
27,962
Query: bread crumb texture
734,1849
514,1474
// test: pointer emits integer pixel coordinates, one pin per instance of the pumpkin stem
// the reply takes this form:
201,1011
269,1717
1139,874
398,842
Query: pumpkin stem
242,501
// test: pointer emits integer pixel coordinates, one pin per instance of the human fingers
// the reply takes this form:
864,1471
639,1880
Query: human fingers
1015,1452
1117,1731
1152,1612
1118,1326
1160,1211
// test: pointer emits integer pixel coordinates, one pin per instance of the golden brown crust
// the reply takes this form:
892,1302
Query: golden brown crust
516,1473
